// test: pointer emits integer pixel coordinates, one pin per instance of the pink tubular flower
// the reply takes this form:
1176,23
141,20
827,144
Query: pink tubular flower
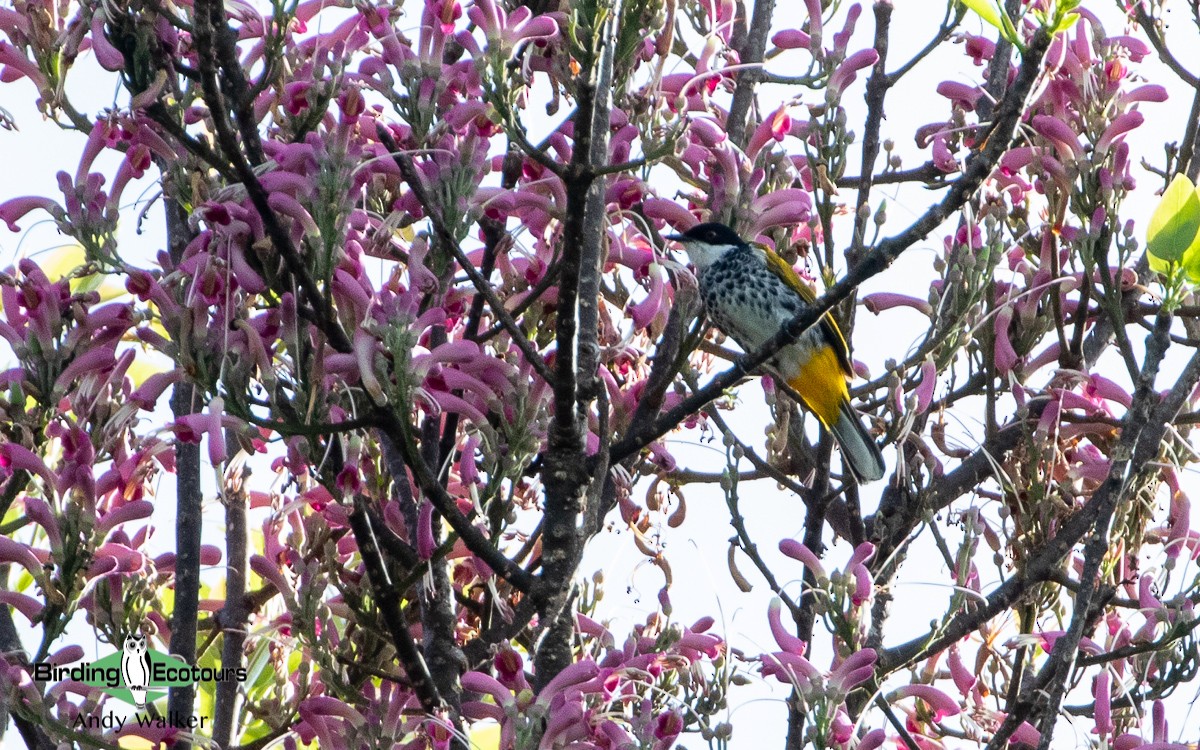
12,60
1006,356
787,207
791,669
863,582
1180,520
941,704
786,640
791,39
576,673
845,73
978,48
478,682
872,740
15,208
1150,92
14,457
426,545
877,302
961,94
924,390
773,128
667,728
15,552
964,679
28,606
1103,713
943,157
133,511
1118,128
509,29
797,551
112,558
1060,133
853,671
109,57
1027,735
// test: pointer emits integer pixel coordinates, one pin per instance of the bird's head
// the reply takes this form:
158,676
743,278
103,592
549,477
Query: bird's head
706,243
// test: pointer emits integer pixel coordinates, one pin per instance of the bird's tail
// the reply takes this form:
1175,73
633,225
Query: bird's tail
858,448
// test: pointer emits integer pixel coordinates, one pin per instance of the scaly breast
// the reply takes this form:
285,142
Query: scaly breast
750,304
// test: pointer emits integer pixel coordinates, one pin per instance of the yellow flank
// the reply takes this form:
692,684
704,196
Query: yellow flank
786,273
781,268
822,385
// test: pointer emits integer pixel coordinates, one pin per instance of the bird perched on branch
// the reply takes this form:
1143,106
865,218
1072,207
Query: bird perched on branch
750,294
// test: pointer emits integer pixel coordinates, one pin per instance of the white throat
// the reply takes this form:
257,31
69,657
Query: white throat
704,255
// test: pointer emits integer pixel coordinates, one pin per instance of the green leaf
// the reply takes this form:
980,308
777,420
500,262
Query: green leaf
993,14
1191,260
1067,21
985,9
1174,227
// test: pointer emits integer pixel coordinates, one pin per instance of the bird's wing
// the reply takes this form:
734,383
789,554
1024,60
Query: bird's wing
784,271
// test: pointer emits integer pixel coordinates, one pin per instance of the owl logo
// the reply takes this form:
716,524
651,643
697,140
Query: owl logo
135,667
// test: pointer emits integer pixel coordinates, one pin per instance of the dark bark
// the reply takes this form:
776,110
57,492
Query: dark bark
14,652
234,615
566,475
877,87
185,399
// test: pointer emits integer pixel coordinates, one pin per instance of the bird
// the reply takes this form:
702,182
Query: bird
750,293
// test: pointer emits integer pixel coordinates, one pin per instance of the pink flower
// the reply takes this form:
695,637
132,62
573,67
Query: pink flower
943,157
924,390
791,669
132,511
941,704
845,73
773,128
15,208
1150,92
573,675
979,48
667,727
785,639
28,606
961,94
786,207
12,60
797,551
853,671
1103,712
863,582
1061,134
1006,356
877,302
509,30
14,457
791,39
964,679
1118,128
478,682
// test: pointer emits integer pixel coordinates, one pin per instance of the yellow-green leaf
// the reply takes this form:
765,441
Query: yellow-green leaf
993,14
1191,259
1174,223
987,10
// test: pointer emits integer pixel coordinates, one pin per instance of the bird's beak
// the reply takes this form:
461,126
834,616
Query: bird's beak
673,237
